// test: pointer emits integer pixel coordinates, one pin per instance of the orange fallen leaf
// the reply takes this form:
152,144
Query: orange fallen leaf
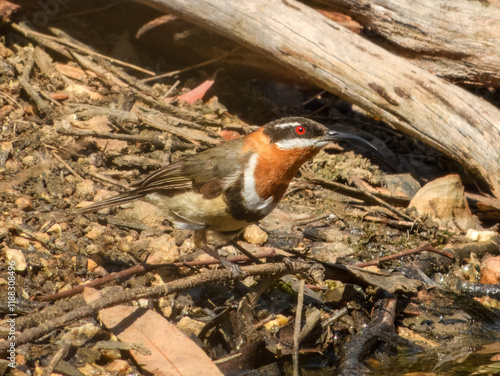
198,92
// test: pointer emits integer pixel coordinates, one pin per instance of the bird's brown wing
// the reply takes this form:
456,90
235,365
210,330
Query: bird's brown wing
168,178
208,172
165,179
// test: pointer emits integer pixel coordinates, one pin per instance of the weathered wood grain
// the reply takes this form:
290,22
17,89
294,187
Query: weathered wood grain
456,39
409,98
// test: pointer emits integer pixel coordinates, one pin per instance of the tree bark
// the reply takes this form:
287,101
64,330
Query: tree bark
389,87
456,39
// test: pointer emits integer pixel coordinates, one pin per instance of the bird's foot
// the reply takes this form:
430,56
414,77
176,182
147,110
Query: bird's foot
235,269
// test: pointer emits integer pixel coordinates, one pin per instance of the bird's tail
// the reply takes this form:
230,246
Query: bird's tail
120,199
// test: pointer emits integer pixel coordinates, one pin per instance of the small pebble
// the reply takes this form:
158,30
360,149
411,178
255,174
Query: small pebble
85,189
55,229
253,234
490,270
24,203
17,256
21,242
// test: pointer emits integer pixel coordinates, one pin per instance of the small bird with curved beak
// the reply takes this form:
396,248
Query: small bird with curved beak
224,189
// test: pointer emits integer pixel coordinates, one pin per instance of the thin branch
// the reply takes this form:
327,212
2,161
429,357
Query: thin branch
115,296
142,268
296,330
31,33
424,247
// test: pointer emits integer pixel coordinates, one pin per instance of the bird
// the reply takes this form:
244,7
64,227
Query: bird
222,190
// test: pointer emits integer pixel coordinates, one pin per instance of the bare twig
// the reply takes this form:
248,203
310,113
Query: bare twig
208,62
350,191
115,296
30,90
67,166
296,330
424,247
357,181
31,33
114,136
142,268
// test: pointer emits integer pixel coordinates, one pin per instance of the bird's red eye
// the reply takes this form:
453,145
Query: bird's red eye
300,130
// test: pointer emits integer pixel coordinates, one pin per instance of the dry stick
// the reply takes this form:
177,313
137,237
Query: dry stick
113,136
91,111
41,40
10,99
109,299
40,103
306,221
208,62
133,81
189,117
56,357
296,330
24,81
424,247
30,235
141,268
406,224
170,90
100,72
106,180
67,166
349,191
359,185
31,33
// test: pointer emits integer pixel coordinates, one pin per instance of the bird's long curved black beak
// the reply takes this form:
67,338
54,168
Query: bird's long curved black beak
344,136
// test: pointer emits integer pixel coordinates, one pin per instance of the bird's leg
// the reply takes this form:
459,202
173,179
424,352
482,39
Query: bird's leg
200,241
235,270
245,252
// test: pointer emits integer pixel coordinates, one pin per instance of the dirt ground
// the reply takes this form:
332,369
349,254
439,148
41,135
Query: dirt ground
79,125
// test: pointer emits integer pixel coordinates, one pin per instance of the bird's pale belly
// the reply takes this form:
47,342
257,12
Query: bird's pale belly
190,211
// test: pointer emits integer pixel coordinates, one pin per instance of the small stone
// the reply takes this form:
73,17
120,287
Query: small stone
146,213
5,151
480,236
93,262
254,235
119,367
85,189
124,244
55,229
490,270
24,203
21,242
28,161
42,236
163,250
17,257
96,231
189,326
13,166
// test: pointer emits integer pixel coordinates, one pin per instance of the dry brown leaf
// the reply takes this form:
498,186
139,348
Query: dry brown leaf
172,353
443,200
198,92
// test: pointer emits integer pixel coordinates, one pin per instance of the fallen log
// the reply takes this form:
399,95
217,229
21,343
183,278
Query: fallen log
410,99
455,39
